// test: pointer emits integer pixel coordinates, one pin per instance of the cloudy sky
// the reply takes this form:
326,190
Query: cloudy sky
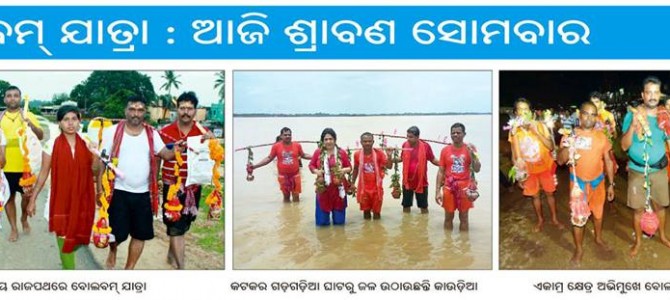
367,92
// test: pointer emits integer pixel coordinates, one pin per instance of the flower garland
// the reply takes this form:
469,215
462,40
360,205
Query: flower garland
649,221
579,207
102,232
395,178
215,199
28,179
173,207
250,163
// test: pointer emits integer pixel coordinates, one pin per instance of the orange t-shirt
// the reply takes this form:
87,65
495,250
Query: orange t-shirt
536,155
368,168
456,162
287,157
592,146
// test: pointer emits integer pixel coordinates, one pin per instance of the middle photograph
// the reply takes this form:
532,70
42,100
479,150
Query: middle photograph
354,170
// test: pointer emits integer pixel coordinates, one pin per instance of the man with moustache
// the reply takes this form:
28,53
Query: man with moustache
133,145
10,121
594,162
288,156
369,164
639,125
182,128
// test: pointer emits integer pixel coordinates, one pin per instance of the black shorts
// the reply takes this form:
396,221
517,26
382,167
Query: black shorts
130,213
184,223
13,180
421,198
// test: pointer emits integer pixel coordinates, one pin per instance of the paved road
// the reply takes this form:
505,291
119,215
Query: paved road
37,250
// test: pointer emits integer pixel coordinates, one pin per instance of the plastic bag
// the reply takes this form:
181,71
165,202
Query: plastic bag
34,149
199,164
4,192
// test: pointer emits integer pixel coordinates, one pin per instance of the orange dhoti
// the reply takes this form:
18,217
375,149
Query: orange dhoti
454,198
290,183
371,200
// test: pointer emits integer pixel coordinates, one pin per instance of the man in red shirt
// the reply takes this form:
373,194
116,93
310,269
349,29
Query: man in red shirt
368,169
457,165
189,196
415,170
288,156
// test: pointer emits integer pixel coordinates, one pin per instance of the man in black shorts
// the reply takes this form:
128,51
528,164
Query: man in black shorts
135,196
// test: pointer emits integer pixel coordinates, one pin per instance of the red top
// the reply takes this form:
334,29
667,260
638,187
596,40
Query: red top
173,131
368,168
411,161
330,199
456,162
288,157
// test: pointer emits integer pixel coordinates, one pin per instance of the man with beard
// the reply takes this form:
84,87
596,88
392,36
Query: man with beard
133,145
288,156
643,138
10,121
592,148
182,128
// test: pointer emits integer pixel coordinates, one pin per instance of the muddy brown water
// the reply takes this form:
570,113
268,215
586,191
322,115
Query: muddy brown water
269,234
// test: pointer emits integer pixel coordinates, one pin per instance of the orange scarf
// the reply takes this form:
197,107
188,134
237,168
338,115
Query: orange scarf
72,205
420,168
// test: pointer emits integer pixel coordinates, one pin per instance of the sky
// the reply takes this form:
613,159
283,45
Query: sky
44,84
361,92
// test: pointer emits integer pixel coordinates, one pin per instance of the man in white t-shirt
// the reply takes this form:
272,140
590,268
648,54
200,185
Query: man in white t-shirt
134,197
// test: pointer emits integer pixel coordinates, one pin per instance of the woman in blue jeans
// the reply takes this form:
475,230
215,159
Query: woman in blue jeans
329,163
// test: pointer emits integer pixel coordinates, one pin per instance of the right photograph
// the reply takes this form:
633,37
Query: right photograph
584,170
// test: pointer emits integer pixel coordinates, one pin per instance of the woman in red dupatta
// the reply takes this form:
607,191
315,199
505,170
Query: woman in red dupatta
72,204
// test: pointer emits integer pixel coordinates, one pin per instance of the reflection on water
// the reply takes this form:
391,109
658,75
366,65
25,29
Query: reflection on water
270,234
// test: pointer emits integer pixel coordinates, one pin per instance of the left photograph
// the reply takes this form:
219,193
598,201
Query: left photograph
112,170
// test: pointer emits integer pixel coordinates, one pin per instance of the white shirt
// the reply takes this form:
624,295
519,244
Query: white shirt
133,159
3,139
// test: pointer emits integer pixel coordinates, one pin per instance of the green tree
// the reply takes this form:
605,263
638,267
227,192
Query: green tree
171,80
220,84
57,99
101,86
3,86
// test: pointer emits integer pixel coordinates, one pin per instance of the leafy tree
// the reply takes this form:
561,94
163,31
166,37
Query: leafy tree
220,83
103,86
3,86
170,81
57,99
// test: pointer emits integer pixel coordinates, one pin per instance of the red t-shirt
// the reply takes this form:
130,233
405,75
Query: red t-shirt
172,130
288,157
456,162
368,168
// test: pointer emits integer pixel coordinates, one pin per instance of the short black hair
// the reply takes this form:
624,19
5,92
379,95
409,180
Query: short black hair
367,134
458,125
11,88
587,103
596,94
414,130
651,79
285,129
65,109
188,97
136,99
328,131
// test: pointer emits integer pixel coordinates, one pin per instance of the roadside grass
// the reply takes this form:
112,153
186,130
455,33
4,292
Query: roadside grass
209,233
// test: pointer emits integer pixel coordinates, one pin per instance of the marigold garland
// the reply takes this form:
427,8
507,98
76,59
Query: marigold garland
102,232
173,206
28,179
215,199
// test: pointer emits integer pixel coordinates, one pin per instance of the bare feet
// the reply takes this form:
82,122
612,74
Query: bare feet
576,260
110,264
634,250
665,241
558,224
172,261
538,226
603,246
26,226
13,235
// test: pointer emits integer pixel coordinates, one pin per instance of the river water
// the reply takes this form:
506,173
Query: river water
270,234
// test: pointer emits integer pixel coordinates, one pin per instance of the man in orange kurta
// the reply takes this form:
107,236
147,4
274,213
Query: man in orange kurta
592,148
531,151
368,169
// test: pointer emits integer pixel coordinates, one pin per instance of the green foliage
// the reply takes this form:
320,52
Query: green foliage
57,99
3,86
100,87
36,111
220,84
